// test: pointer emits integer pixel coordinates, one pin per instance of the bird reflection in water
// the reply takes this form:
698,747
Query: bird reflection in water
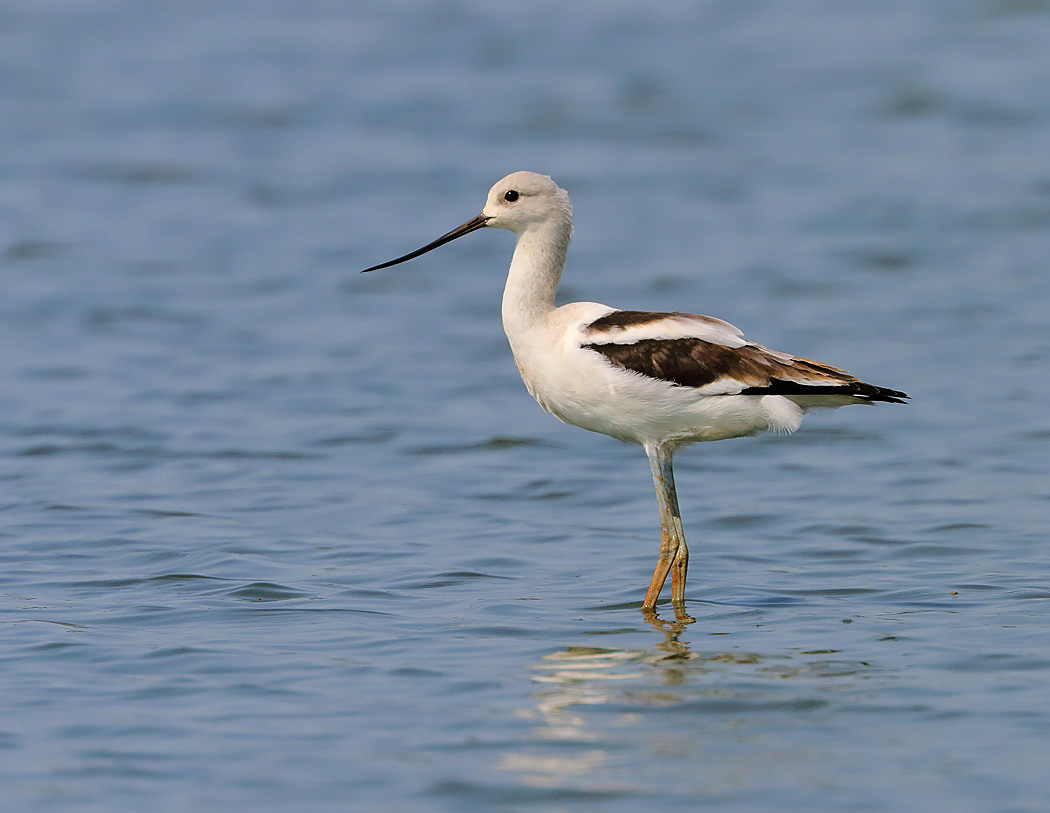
598,713
581,676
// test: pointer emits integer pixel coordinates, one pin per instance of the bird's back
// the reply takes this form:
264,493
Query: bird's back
652,377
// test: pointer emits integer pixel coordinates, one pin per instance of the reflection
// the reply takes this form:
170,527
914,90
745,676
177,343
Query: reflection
609,720
553,771
579,676
574,678
672,630
681,617
582,676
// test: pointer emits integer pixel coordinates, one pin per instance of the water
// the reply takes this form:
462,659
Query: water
274,535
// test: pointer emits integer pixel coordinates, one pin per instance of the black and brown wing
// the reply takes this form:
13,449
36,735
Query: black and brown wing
716,360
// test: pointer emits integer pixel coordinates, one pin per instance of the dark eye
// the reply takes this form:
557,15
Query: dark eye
510,195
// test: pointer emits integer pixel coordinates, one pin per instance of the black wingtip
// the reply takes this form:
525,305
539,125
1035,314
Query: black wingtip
887,396
855,389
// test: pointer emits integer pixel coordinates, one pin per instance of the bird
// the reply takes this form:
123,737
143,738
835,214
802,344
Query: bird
660,380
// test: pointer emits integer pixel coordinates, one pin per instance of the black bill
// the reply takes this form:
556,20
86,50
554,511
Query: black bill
471,225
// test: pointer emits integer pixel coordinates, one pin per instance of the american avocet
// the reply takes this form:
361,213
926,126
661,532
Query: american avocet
662,380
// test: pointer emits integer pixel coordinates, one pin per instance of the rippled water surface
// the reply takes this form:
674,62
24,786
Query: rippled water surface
277,536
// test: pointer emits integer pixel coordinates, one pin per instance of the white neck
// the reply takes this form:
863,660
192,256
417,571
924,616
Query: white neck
535,270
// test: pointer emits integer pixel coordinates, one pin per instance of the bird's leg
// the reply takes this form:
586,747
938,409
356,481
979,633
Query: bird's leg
680,564
663,565
681,558
674,556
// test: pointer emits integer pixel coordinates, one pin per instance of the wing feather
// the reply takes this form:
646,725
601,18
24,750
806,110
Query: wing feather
712,356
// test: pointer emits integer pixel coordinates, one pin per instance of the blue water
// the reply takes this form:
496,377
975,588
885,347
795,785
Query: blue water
275,536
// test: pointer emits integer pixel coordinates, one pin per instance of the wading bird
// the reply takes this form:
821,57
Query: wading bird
662,380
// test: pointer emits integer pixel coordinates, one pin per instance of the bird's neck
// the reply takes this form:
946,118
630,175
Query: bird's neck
535,270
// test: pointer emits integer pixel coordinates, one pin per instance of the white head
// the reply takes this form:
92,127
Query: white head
519,202
526,199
